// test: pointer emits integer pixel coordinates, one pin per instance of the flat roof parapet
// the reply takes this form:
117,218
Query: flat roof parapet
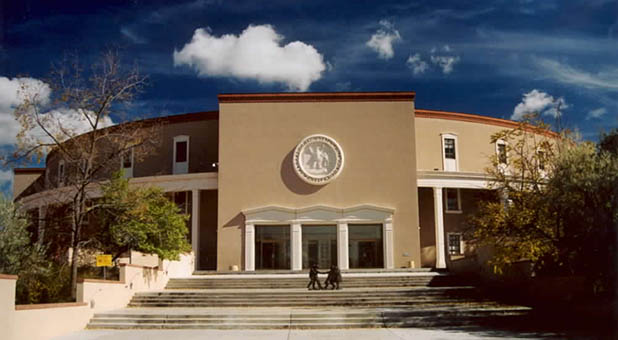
316,97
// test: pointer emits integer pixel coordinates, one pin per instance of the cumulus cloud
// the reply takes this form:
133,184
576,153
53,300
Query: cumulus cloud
417,64
445,60
540,102
383,39
256,53
596,113
61,122
446,63
12,94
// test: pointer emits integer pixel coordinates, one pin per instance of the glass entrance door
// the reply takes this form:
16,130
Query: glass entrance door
319,245
272,247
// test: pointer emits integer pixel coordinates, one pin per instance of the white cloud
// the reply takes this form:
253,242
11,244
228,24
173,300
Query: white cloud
254,54
606,79
14,91
12,94
446,63
382,40
596,113
63,124
417,64
540,102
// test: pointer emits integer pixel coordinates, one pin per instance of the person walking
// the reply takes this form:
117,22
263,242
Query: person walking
313,277
333,278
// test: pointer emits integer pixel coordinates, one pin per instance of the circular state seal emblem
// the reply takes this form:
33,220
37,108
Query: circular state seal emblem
318,159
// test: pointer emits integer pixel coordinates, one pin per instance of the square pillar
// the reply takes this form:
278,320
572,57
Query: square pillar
297,245
249,247
343,258
387,231
439,227
195,226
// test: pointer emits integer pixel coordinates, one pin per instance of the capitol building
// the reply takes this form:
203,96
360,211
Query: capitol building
278,181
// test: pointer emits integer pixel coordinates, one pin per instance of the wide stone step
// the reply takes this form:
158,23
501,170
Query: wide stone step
410,318
230,282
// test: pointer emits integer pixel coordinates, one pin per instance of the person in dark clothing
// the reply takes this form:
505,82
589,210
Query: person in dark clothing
313,277
333,278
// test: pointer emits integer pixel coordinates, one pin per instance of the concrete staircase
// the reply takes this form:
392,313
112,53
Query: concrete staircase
413,299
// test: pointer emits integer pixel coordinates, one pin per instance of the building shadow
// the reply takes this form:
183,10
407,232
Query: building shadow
291,180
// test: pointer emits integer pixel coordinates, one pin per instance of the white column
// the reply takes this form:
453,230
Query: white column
41,226
389,262
439,226
249,247
343,258
195,226
297,245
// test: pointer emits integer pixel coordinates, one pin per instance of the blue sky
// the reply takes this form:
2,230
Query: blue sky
495,58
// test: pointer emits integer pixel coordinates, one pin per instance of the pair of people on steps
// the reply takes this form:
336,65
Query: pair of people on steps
333,278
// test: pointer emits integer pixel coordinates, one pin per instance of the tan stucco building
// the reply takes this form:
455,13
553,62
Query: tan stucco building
281,181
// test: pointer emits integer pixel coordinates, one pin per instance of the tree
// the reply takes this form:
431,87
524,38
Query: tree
141,219
514,219
69,119
558,207
16,251
18,255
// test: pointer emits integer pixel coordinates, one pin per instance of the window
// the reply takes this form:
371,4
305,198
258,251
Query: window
61,173
452,200
449,148
455,244
126,163
181,152
181,155
449,152
540,156
501,152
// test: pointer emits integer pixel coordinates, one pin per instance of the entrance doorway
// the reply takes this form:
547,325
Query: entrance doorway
319,245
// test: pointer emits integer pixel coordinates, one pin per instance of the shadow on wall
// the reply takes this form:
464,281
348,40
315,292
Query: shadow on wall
291,180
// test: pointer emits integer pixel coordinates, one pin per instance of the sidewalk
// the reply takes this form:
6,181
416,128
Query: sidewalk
352,334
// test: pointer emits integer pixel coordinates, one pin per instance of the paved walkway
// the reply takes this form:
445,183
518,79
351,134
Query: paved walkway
353,334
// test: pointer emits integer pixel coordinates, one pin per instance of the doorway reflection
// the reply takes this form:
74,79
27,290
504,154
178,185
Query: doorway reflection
319,245
365,246
272,247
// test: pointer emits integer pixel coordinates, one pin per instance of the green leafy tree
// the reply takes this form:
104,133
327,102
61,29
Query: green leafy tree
141,219
19,256
68,119
554,203
514,219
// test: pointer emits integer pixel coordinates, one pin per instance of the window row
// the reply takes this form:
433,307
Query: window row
450,158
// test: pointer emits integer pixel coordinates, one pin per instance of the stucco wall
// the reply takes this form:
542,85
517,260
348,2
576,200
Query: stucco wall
256,144
473,143
202,130
21,181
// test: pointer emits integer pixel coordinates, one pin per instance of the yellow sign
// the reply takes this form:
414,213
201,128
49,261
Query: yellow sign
104,260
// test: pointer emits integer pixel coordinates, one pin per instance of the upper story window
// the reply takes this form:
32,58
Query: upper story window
449,152
181,155
452,198
540,156
126,163
501,152
61,173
